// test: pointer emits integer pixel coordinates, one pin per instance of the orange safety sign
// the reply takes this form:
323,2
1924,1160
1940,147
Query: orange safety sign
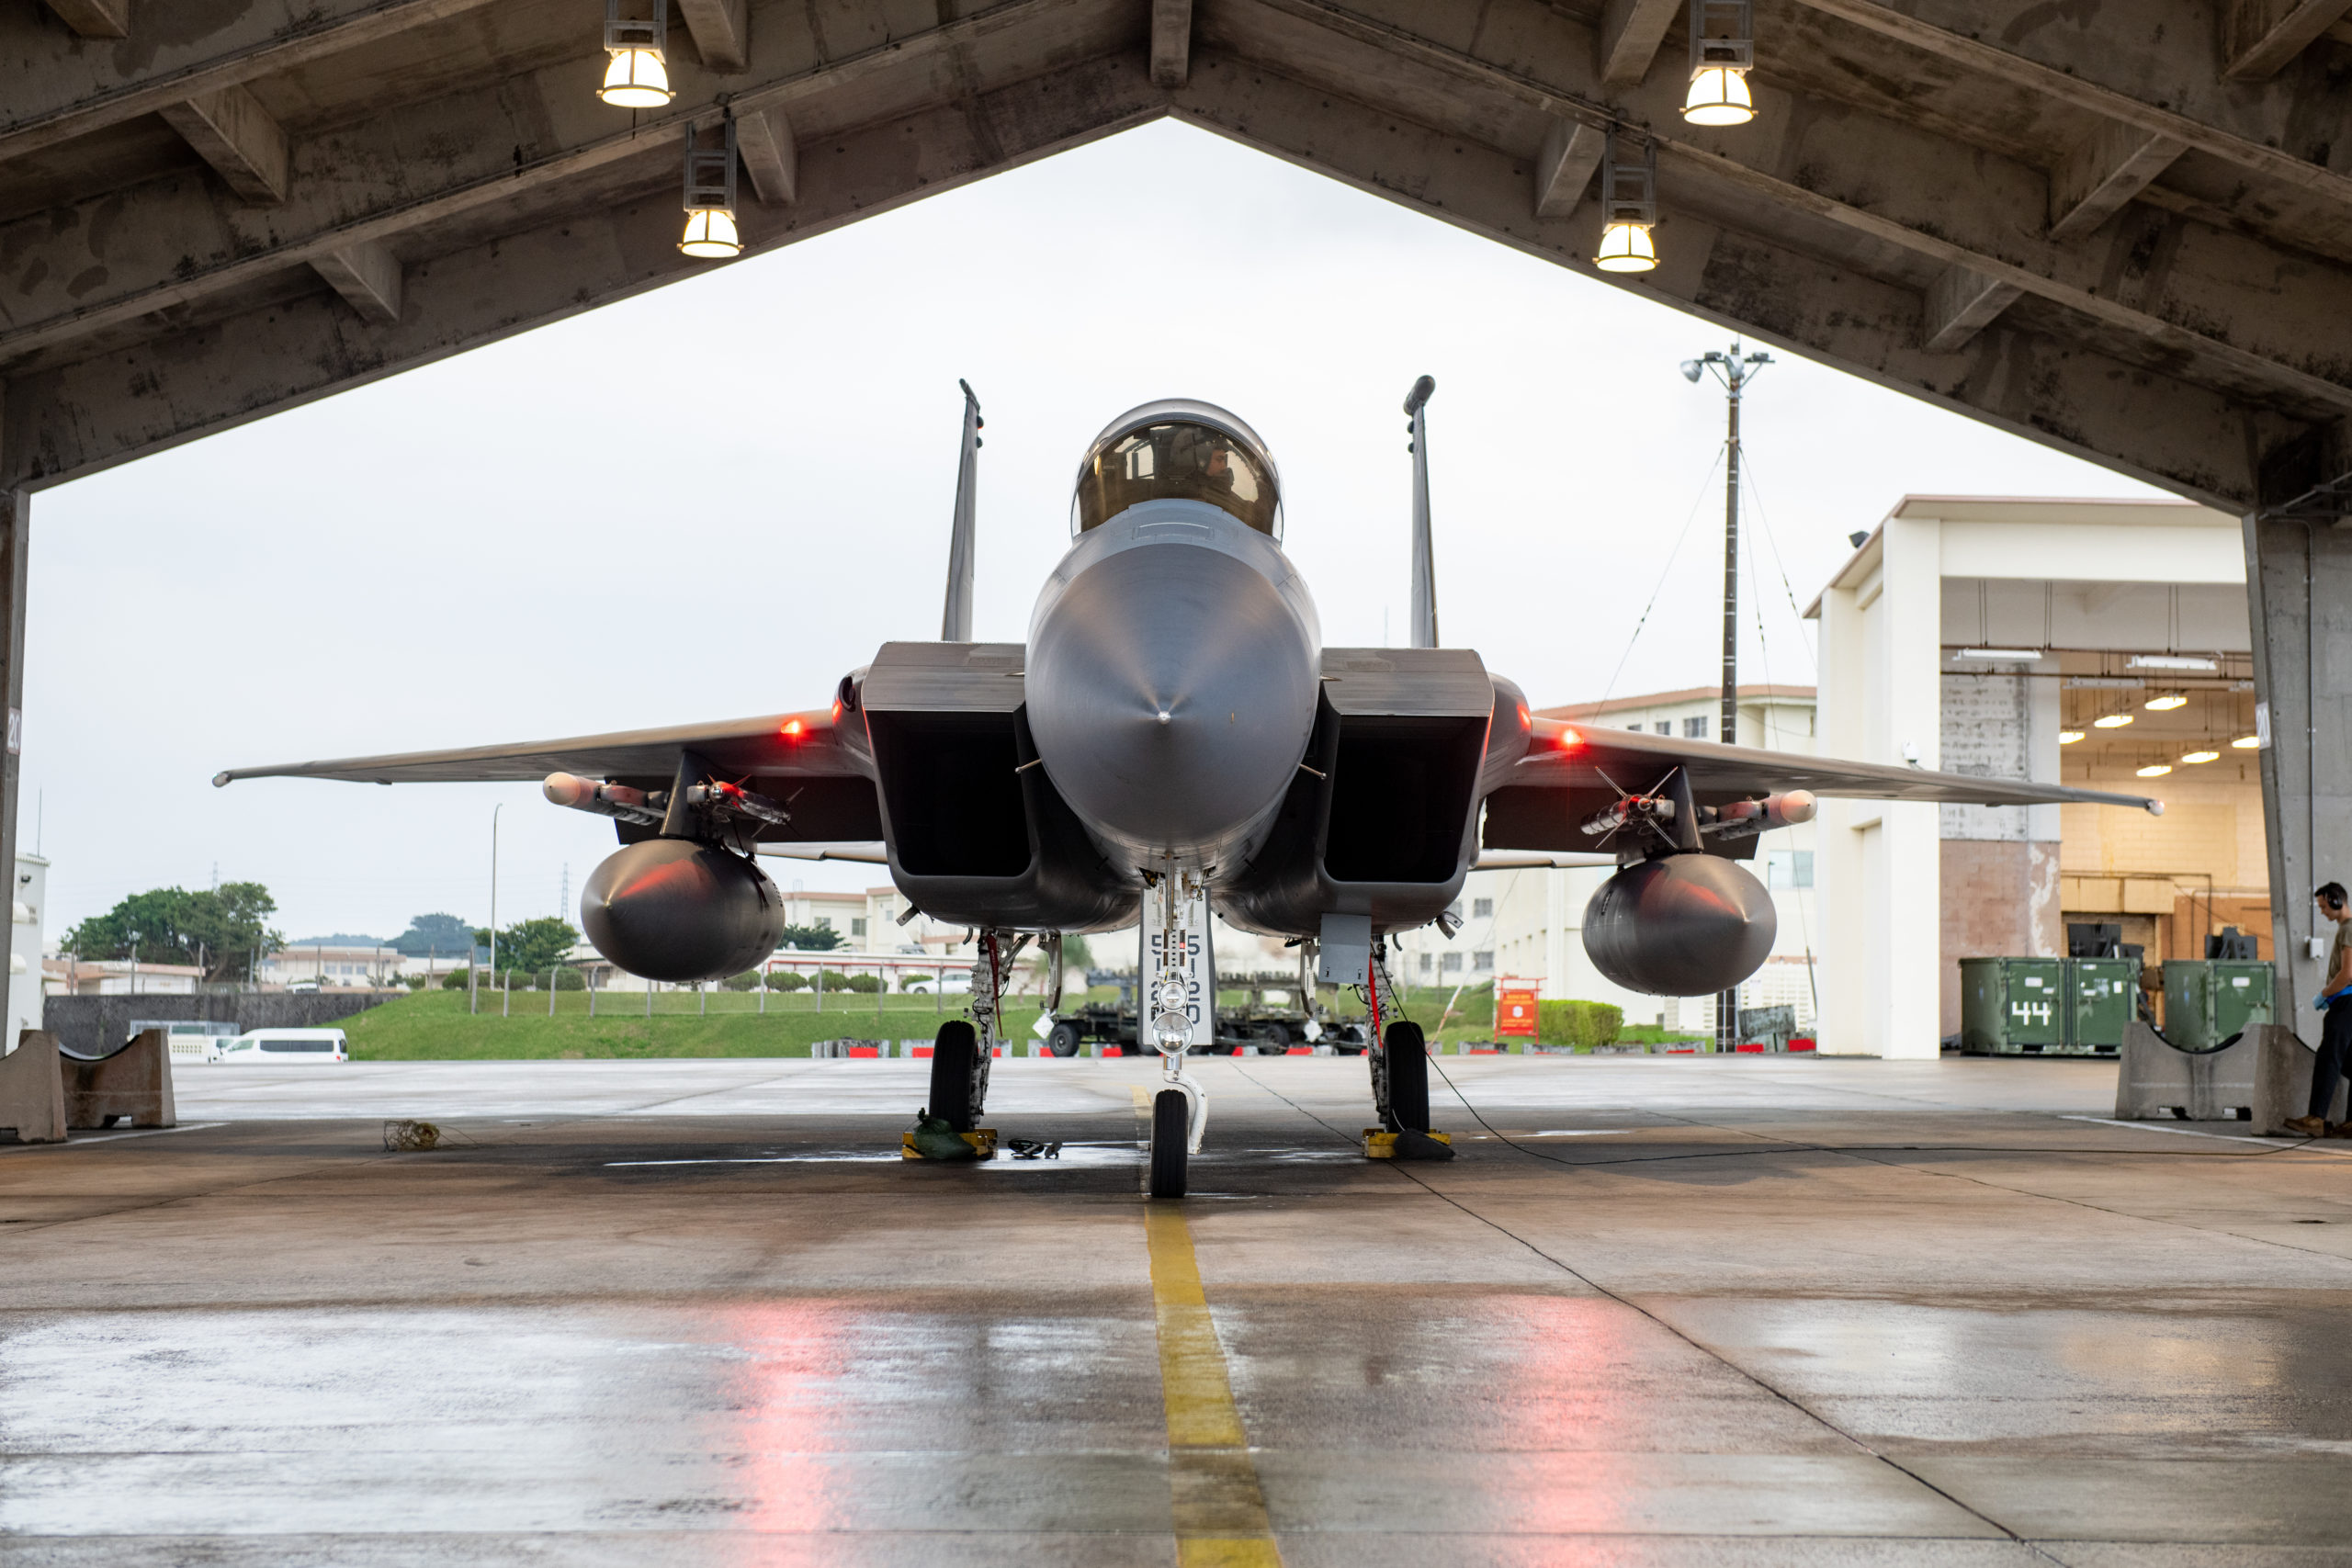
1515,1010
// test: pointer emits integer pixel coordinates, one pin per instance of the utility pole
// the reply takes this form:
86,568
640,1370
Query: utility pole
1733,370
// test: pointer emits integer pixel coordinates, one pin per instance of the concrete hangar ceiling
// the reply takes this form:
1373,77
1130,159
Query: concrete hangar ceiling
2124,228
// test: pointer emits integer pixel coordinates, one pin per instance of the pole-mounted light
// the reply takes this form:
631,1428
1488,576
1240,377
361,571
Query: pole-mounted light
1628,208
638,74
710,196
1723,52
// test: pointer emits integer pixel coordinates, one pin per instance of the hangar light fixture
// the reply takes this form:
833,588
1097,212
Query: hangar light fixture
2167,703
638,76
710,196
1628,210
2156,770
1723,51
2245,743
2068,737
2000,655
2170,662
2112,721
2195,757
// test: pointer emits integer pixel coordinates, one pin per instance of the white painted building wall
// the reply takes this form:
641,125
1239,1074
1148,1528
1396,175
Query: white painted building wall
25,980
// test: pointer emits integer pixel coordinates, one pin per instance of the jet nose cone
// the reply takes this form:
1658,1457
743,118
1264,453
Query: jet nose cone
1170,692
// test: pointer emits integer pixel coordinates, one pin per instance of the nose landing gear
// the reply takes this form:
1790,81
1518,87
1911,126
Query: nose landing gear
1179,1111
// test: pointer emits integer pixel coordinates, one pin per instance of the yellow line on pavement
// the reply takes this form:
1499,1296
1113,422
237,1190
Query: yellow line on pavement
1218,1506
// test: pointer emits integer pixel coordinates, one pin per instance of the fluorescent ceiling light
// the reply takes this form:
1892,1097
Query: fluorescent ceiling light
2068,737
2156,770
2245,743
2201,756
2165,703
2005,655
2112,721
2104,682
2168,661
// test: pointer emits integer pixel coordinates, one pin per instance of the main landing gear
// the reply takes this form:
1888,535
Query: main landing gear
1400,1091
960,1054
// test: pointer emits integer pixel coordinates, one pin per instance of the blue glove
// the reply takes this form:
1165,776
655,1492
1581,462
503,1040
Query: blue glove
2319,1003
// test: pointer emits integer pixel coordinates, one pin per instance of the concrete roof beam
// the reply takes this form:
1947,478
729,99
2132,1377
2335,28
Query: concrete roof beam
1564,170
2096,180
1172,43
368,275
232,131
95,19
1631,33
764,139
721,31
1961,303
51,97
2260,37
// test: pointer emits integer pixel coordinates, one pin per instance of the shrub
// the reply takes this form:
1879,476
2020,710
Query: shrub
570,980
787,980
866,984
1577,1023
749,980
455,980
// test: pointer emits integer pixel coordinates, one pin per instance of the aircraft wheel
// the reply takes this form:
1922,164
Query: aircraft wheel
1172,1132
1274,1041
953,1054
1409,1077
1064,1040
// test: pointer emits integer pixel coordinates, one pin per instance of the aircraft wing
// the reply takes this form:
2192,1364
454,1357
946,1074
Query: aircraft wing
806,759
1574,769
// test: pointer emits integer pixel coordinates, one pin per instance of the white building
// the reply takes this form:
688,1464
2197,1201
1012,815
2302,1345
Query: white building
25,977
72,976
1529,923
2103,643
331,965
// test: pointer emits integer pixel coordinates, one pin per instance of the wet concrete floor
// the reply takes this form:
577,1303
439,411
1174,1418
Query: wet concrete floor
1659,1312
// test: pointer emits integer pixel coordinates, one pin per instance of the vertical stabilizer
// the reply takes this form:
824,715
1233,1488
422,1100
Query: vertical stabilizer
1424,622
956,623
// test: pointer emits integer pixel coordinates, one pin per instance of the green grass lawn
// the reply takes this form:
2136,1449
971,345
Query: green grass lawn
434,1025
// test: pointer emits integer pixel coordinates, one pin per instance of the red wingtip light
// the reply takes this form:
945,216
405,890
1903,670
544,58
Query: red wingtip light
1570,741
1526,720
792,727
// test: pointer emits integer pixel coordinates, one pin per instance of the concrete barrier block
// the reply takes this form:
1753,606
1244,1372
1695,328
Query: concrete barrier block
32,1093
135,1082
2265,1078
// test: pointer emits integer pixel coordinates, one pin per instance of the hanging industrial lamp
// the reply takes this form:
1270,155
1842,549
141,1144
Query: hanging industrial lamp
1628,210
710,196
1723,52
638,76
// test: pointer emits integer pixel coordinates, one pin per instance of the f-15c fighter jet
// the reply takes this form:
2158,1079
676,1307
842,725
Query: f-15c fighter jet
1174,737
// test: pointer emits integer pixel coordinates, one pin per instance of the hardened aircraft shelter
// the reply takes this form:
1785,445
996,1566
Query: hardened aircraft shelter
2125,229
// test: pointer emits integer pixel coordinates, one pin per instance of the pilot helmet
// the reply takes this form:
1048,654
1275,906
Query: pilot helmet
1178,449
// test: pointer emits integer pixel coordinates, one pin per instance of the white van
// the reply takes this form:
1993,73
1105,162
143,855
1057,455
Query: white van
284,1047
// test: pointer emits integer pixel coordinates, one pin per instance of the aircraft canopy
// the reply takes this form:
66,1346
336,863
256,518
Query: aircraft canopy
1188,451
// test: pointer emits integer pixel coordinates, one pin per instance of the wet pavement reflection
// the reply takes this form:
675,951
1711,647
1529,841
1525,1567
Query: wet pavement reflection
1656,1313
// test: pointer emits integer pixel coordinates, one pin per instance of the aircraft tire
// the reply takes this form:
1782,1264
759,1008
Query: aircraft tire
1064,1040
1409,1077
953,1054
1172,1132
1274,1042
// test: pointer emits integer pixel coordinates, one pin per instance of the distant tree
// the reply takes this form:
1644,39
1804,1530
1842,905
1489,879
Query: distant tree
1076,955
218,927
533,946
429,935
811,939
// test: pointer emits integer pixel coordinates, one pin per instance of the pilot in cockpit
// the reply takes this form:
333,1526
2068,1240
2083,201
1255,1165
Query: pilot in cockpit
1178,451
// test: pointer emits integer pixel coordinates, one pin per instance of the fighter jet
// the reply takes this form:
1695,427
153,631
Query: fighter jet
1173,737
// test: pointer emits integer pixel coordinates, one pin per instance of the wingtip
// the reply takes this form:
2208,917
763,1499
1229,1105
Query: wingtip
220,780
2155,808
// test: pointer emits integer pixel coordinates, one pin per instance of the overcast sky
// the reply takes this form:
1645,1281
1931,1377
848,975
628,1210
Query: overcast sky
714,500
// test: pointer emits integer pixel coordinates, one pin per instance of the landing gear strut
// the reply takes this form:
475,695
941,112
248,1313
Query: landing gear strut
960,1054
1179,1114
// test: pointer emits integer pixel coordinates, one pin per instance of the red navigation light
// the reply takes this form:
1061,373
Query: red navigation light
1526,720
792,729
1570,741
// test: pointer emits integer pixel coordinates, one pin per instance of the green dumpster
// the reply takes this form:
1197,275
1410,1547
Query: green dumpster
2103,998
2208,1000
2011,1007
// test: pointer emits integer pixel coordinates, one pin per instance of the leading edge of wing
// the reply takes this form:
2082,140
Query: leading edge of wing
1566,754
782,742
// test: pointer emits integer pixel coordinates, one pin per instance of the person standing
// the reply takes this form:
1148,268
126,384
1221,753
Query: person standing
2335,1000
